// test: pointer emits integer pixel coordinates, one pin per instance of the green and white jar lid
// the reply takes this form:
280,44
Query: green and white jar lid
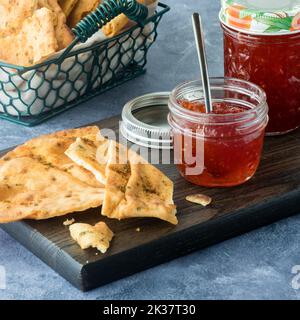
262,16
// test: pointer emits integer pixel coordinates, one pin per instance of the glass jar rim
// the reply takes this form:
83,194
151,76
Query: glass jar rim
260,97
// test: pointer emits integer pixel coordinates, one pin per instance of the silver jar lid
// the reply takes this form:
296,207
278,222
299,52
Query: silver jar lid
144,121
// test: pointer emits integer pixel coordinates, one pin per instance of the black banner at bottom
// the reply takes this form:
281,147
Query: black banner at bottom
144,309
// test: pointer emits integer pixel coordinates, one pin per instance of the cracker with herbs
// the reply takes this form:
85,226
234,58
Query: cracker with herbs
13,14
63,33
31,189
32,30
50,150
91,154
135,188
34,42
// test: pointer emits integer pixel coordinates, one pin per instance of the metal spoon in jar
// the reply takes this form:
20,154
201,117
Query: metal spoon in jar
200,44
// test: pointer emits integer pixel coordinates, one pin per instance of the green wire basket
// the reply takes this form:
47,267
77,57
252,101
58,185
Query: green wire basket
31,95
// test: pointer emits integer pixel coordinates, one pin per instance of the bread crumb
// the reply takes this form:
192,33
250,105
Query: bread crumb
97,236
68,222
138,229
199,198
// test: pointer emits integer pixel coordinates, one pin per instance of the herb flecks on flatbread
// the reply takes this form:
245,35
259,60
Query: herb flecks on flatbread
33,42
50,150
40,172
137,189
32,189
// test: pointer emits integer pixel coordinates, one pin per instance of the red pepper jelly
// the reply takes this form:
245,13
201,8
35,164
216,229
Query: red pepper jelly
221,148
262,45
218,107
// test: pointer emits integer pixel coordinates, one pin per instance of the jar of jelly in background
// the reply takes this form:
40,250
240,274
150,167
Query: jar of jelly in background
262,45
221,148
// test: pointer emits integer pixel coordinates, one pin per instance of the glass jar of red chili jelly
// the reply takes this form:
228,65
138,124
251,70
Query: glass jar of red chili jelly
221,148
262,45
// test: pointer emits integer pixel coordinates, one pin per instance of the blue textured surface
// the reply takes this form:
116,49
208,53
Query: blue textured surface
256,265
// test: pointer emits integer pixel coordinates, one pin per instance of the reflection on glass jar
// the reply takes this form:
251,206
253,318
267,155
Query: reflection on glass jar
222,148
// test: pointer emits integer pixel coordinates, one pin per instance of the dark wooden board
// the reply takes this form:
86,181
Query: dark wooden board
274,193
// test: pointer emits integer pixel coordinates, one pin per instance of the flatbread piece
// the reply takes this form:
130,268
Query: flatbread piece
34,42
32,189
136,189
81,9
64,36
84,153
97,236
67,6
50,149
